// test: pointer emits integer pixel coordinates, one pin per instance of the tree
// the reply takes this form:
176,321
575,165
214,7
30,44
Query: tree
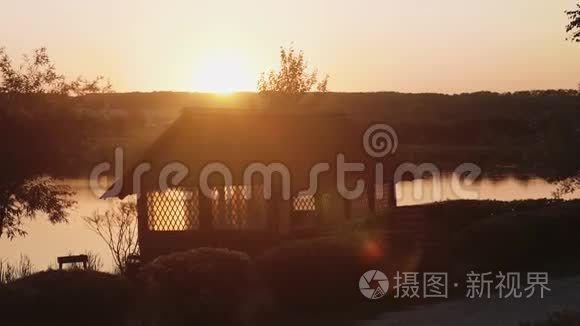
27,198
571,184
37,75
31,137
567,186
573,27
293,79
117,227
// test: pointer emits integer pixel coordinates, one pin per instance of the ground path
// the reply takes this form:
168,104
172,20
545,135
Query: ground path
564,295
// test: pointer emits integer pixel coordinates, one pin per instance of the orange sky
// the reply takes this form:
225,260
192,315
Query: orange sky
446,46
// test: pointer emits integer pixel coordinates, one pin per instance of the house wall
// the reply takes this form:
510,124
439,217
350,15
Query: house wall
271,222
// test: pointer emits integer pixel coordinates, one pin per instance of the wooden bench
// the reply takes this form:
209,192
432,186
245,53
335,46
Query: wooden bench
73,260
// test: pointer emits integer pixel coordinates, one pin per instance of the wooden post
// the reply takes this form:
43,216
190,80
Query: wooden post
347,208
142,217
285,208
319,210
273,210
371,198
205,214
392,194
221,211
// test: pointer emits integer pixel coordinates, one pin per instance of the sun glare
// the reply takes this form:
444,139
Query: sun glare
223,74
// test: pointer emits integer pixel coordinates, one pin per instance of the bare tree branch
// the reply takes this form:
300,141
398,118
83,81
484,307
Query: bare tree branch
117,227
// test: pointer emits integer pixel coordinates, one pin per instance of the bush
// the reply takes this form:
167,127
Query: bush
201,285
67,298
323,272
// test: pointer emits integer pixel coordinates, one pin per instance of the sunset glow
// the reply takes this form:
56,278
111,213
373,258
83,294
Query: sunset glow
222,73
222,46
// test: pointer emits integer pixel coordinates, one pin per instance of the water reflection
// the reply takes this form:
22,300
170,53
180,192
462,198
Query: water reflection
505,188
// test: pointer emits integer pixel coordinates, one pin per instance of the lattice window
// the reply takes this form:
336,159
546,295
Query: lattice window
303,202
304,213
230,208
176,209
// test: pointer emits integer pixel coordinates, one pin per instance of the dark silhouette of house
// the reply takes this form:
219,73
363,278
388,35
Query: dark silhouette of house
182,217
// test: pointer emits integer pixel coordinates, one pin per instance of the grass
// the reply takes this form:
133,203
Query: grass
10,272
208,285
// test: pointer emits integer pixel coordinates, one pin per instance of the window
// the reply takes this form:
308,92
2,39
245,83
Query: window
176,209
303,202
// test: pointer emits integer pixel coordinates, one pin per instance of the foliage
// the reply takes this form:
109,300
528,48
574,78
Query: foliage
572,184
20,200
567,186
573,26
31,134
322,273
37,75
94,263
69,297
202,285
117,227
293,80
10,272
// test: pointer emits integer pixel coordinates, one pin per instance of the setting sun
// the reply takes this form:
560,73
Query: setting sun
223,73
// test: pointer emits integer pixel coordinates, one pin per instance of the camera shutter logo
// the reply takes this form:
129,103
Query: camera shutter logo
373,284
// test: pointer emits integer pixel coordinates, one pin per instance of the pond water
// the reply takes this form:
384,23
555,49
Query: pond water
46,241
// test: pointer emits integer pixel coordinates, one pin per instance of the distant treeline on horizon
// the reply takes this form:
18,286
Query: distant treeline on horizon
535,131
156,99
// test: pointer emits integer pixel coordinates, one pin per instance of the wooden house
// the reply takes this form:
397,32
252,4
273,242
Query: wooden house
183,217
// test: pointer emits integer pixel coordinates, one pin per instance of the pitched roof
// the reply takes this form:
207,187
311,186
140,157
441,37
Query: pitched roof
239,137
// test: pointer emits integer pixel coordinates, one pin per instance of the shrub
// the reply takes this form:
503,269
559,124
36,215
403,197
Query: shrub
201,285
323,272
67,298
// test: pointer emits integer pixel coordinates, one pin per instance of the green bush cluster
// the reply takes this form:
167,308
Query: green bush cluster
206,284
322,273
